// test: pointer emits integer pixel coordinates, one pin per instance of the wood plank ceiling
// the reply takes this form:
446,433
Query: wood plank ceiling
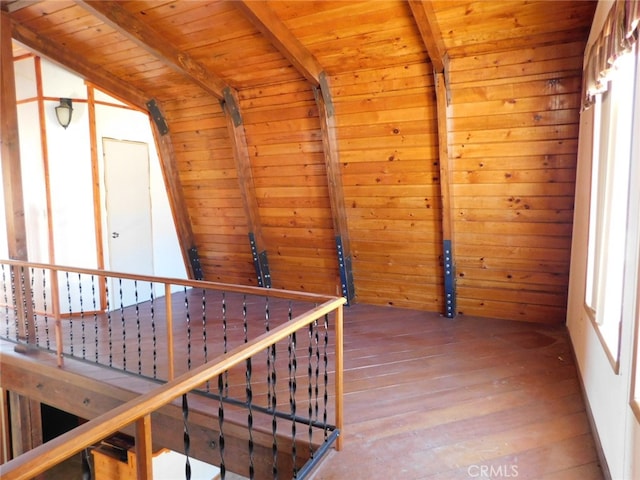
315,125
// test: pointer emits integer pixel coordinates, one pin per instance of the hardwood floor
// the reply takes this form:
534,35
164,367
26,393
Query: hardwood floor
434,398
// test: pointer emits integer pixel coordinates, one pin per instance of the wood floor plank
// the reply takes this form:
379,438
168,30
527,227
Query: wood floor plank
425,397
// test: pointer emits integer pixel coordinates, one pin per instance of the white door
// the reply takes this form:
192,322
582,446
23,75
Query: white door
128,203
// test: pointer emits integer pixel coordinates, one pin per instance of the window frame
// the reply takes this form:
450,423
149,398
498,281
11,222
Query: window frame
605,170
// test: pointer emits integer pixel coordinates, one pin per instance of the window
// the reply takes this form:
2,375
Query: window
609,208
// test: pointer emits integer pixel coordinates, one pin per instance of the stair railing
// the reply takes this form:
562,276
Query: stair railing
30,295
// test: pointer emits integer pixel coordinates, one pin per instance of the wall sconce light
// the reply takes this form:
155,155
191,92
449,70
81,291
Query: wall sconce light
64,111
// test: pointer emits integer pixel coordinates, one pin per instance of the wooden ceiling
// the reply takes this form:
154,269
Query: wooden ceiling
379,59
248,44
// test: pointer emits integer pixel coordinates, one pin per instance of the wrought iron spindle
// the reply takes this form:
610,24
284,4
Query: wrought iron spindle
204,332
69,322
249,393
138,331
7,322
225,392
271,390
95,316
325,358
293,364
274,419
14,302
25,310
153,330
186,439
313,376
124,326
245,325
44,307
221,391
82,325
109,322
36,331
186,308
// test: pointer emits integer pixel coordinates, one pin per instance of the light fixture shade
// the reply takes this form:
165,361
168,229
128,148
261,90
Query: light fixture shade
64,112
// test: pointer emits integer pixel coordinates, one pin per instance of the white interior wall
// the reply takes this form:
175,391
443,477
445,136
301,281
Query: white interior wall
70,174
608,392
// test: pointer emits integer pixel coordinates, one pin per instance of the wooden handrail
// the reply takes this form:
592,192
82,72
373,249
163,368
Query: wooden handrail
43,457
227,287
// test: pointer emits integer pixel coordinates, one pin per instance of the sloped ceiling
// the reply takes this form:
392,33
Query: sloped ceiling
271,56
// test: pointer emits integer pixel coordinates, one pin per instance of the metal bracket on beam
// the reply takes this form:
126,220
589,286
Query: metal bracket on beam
260,263
157,117
232,107
194,260
325,91
346,272
449,280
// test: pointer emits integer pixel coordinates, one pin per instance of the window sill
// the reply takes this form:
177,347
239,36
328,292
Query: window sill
614,361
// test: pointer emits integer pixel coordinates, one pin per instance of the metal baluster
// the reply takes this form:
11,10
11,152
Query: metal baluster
109,322
33,306
267,328
95,315
23,289
293,363
249,392
186,439
271,391
224,339
124,330
139,334
69,322
221,390
44,301
186,308
325,358
274,419
204,332
153,332
313,374
6,302
82,326
245,326
14,302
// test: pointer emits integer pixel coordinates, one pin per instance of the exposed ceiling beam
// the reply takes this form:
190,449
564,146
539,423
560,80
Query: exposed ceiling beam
425,18
265,20
10,149
112,14
71,61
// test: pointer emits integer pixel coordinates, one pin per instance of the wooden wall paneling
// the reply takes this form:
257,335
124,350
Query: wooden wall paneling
514,118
